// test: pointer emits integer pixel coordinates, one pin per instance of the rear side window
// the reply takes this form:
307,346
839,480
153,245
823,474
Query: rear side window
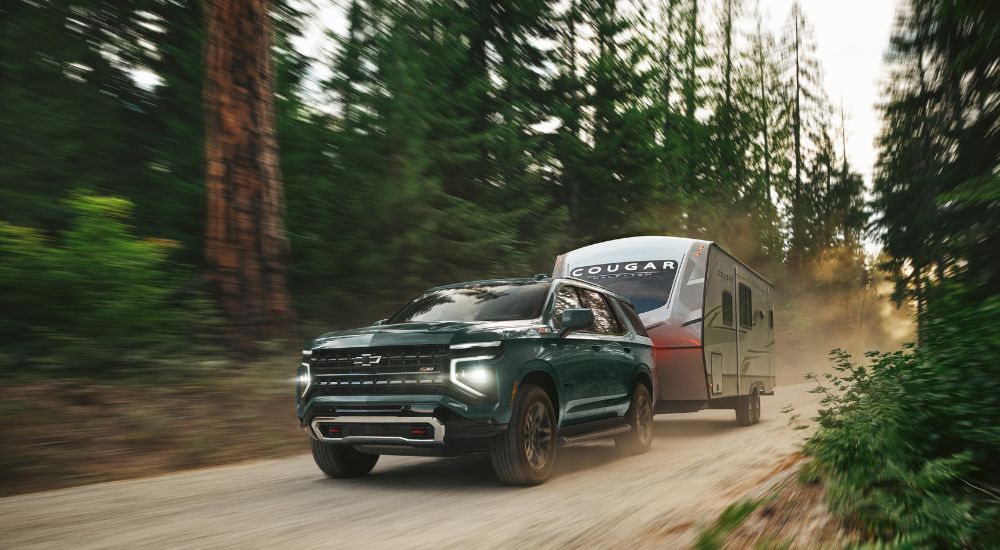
633,318
746,306
566,298
727,308
605,321
770,318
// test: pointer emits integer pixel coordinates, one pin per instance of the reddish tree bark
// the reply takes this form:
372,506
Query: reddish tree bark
246,247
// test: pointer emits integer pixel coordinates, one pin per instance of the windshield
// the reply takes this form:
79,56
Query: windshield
646,283
487,302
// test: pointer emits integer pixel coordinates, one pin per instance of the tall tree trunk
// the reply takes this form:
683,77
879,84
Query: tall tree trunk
765,115
797,213
573,124
692,57
245,244
727,165
690,91
668,62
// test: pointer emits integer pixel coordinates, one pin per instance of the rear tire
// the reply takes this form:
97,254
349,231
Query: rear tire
342,461
748,408
640,419
526,452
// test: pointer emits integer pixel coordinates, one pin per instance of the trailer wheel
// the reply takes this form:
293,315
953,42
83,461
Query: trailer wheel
748,408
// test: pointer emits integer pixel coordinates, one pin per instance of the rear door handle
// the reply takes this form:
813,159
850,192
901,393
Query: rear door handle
627,350
595,347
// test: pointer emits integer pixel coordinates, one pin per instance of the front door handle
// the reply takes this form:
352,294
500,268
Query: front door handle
627,350
595,347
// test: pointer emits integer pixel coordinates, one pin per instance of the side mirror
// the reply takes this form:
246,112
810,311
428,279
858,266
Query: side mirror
379,323
577,318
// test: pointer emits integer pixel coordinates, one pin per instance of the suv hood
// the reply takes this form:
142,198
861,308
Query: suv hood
410,334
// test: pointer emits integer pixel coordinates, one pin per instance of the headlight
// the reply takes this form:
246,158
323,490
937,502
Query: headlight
477,376
467,370
303,377
474,379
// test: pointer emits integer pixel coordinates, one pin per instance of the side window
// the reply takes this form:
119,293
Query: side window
633,318
605,321
727,308
770,318
746,307
566,298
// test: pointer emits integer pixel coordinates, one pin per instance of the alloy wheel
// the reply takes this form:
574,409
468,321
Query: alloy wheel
644,420
537,436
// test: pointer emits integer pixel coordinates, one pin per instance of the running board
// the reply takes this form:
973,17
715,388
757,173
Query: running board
567,441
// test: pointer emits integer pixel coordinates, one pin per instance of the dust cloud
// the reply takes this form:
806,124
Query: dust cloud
833,302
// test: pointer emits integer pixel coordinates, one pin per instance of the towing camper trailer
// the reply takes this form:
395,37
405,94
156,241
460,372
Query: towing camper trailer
710,318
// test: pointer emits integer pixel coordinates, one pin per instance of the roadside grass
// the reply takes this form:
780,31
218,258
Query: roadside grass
714,536
794,515
73,430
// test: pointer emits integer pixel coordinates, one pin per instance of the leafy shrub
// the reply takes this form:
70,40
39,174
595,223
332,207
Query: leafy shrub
909,445
96,297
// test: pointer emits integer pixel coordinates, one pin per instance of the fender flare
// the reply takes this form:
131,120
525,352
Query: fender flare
540,367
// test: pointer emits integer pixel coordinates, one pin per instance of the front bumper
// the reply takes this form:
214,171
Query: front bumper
397,432
387,421
351,430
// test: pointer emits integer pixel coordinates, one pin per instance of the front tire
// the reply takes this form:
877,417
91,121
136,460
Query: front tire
526,452
342,461
640,419
748,408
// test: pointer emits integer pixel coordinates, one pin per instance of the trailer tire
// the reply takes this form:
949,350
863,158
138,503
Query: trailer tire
748,408
640,418
525,452
342,461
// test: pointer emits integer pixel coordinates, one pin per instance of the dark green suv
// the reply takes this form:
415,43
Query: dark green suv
513,367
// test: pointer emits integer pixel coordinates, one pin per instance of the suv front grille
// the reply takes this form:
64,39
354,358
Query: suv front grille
381,360
381,370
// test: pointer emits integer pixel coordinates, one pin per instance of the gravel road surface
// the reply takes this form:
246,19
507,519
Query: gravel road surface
700,462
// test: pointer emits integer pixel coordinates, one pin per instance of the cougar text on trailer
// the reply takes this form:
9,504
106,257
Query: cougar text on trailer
710,317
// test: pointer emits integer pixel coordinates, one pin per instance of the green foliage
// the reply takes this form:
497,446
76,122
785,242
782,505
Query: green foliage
936,177
714,536
97,297
441,133
451,140
908,444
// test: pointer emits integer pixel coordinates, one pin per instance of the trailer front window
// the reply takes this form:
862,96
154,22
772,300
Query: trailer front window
646,283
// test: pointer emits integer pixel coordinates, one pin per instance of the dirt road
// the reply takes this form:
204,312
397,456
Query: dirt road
699,463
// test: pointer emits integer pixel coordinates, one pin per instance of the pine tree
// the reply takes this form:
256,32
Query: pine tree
621,173
769,143
727,117
808,103
935,181
245,244
71,116
693,135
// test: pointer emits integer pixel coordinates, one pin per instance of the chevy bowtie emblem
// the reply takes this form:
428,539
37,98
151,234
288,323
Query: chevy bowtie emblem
367,360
